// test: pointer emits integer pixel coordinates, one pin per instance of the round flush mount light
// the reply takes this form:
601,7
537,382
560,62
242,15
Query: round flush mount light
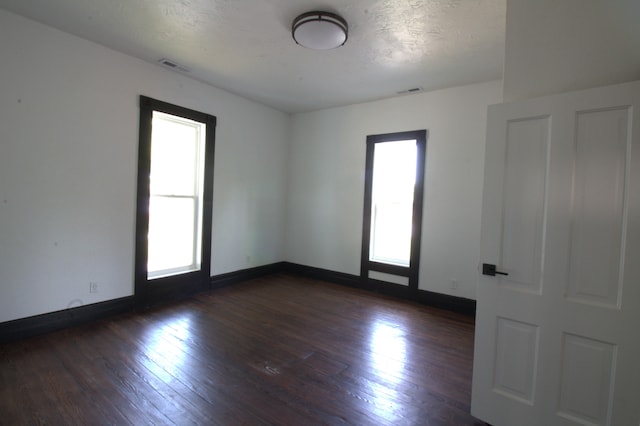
319,30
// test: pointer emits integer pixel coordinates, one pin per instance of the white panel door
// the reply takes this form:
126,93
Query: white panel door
558,336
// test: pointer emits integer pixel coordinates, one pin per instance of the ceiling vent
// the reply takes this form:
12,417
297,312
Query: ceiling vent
412,90
172,65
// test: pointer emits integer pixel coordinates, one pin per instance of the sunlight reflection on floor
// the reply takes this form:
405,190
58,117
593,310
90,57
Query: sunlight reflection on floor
168,343
388,356
388,350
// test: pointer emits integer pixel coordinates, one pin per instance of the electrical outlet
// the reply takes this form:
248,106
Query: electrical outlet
453,284
93,287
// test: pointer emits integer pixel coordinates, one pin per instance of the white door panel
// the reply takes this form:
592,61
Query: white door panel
597,233
557,339
527,144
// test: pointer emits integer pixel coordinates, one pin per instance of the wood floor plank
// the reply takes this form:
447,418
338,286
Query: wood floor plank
281,349
193,378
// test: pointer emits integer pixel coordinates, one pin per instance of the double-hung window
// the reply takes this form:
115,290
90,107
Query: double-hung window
175,192
392,219
176,186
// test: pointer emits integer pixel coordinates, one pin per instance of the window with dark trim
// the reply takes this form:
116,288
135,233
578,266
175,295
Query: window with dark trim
392,217
174,205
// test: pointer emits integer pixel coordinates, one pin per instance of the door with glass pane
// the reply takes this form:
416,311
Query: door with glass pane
174,200
393,209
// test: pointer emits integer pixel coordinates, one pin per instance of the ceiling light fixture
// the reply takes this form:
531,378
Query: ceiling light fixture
319,30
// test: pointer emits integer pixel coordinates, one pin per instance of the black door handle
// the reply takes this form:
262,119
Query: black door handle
490,269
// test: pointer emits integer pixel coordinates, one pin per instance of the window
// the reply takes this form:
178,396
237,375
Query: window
393,207
392,202
175,188
176,185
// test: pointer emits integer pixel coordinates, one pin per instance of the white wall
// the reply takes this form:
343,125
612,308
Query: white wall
68,148
557,46
326,182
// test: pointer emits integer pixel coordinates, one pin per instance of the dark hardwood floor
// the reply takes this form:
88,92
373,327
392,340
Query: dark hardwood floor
276,350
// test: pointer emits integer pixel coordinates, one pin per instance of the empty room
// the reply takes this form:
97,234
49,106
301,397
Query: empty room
367,212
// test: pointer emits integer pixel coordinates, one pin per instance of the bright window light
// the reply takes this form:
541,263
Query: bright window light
175,206
394,178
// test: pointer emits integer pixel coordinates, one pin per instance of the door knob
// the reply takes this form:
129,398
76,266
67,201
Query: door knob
490,269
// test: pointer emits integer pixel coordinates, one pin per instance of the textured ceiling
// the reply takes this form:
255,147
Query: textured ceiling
245,46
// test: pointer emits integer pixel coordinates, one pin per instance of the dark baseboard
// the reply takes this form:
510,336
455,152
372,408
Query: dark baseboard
39,324
32,326
443,301
322,274
24,328
223,280
461,305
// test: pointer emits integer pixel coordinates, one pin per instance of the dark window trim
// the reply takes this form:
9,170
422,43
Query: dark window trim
388,268
171,287
366,265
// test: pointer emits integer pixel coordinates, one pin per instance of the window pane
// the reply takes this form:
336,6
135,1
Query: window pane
391,233
394,175
174,154
171,235
176,182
